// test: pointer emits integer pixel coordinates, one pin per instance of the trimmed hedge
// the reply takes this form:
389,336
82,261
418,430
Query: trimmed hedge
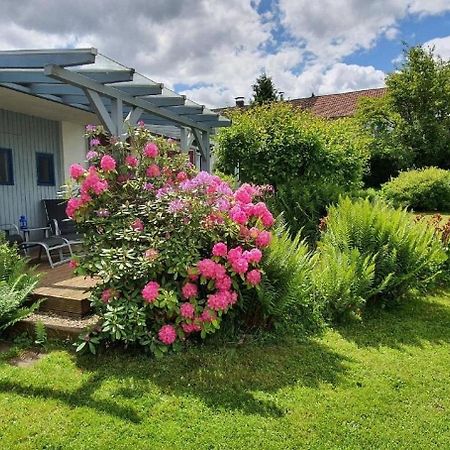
422,190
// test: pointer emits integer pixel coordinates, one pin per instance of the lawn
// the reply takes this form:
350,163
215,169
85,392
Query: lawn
380,384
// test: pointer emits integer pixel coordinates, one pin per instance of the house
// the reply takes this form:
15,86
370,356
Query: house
47,97
329,106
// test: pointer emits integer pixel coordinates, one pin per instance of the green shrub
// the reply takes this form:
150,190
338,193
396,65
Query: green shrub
17,282
175,250
422,190
342,280
11,264
406,254
309,161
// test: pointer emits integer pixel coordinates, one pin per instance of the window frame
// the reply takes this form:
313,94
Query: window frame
49,157
10,168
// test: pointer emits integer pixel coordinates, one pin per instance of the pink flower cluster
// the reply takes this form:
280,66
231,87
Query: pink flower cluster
106,295
92,183
150,291
212,183
137,225
167,334
221,300
242,212
153,171
189,290
187,310
72,206
151,150
131,161
76,171
108,163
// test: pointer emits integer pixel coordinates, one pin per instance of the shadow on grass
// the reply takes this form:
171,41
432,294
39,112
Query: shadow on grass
81,397
236,378
414,321
243,378
232,378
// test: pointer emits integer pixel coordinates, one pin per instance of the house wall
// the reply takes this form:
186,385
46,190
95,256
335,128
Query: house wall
73,145
25,135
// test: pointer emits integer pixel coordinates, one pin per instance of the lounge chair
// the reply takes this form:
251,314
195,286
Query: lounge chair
48,244
61,225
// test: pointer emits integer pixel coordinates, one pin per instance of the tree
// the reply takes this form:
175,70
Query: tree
264,90
410,126
420,95
309,161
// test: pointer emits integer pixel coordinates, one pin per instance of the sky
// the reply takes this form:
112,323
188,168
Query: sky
213,50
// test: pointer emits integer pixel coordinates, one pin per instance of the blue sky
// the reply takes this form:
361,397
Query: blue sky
213,50
413,29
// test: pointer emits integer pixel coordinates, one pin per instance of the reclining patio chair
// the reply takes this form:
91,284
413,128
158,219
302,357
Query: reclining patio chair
60,224
48,244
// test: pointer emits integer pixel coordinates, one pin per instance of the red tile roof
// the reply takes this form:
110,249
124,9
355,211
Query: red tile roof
332,106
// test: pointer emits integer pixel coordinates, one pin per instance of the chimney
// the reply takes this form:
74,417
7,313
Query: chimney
240,102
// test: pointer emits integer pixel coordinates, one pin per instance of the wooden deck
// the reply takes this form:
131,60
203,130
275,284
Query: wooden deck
65,293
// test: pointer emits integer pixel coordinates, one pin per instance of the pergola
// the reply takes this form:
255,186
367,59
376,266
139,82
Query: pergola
118,95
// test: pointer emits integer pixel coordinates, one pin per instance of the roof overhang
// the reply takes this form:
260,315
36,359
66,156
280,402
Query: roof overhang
89,83
70,76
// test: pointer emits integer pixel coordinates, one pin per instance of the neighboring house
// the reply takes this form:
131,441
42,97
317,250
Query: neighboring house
46,99
329,106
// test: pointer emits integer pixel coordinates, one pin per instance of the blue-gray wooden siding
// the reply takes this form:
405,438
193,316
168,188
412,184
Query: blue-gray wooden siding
25,135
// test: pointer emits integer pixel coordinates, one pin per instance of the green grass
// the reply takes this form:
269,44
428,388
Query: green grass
380,384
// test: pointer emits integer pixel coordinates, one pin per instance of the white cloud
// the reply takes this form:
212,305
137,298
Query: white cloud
333,29
424,7
441,46
220,47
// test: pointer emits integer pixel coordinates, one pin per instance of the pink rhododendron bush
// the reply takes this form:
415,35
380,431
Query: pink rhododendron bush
174,249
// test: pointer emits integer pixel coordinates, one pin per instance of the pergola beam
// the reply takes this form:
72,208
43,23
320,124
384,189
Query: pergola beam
204,117
37,76
186,139
80,81
160,101
133,116
167,100
64,89
102,113
35,59
186,110
202,138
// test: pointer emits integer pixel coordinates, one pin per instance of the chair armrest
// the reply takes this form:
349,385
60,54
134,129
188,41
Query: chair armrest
8,226
54,225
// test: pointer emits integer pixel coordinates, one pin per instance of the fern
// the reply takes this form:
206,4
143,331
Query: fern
12,300
342,280
17,281
40,333
286,290
406,254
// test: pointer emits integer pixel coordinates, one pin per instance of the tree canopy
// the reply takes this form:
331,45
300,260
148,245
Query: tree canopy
410,127
264,90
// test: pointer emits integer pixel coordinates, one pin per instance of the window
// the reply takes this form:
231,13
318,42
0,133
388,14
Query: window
45,169
6,166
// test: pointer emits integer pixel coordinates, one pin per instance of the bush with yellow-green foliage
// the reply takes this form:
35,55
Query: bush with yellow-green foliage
308,160
422,190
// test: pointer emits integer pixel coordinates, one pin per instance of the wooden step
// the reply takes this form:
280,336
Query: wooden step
57,327
67,303
64,294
